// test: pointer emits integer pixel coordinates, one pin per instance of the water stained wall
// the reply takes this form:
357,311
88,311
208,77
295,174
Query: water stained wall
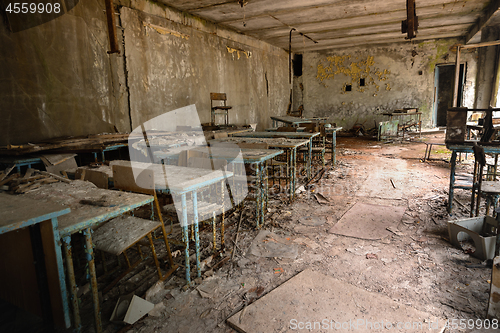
57,78
356,85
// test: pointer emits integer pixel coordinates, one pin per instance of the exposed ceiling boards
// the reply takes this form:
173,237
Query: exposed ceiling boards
340,23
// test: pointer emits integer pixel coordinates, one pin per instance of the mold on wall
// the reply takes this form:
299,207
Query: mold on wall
395,76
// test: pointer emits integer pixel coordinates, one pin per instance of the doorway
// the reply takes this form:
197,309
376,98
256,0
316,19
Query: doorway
443,91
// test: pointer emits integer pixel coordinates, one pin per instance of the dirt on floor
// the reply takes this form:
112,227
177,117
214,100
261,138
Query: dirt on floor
414,265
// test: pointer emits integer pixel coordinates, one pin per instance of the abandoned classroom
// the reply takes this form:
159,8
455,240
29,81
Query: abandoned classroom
249,166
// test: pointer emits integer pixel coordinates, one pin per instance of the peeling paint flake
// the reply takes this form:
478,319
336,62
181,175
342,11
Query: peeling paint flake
165,31
237,51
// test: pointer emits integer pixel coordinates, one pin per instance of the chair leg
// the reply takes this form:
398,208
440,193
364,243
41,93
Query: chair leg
152,246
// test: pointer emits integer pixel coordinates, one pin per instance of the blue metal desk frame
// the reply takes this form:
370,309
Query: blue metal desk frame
288,135
274,143
259,160
295,121
453,162
68,226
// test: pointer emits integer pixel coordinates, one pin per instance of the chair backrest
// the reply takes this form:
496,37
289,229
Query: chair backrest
123,179
98,178
310,127
185,155
207,163
287,129
220,135
217,97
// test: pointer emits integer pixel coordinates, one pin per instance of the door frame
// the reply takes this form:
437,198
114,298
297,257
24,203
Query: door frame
463,70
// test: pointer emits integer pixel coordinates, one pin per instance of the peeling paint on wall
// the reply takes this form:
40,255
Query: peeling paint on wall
237,51
165,31
355,70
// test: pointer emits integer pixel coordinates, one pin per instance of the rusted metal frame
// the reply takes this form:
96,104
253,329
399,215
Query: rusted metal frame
194,197
110,16
93,278
334,148
60,270
258,198
73,290
214,228
185,237
157,264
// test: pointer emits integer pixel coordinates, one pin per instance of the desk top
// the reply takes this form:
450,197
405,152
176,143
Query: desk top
19,212
247,155
289,135
177,179
101,205
280,143
296,120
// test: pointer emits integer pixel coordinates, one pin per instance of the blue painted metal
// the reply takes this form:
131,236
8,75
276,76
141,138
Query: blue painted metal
196,232
89,248
20,162
22,224
60,270
294,121
118,210
72,283
185,233
453,161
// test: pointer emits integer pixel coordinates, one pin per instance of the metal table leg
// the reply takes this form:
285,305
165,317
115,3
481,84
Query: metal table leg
196,232
453,162
72,283
185,237
334,148
93,278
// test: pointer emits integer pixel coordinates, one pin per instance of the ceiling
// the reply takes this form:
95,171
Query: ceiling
328,24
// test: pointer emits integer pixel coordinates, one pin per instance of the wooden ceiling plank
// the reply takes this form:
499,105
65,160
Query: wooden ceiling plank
483,20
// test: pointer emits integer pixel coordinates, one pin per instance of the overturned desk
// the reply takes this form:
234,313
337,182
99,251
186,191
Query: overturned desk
415,120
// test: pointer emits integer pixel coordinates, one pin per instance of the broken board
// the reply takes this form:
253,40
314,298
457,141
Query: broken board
368,221
311,298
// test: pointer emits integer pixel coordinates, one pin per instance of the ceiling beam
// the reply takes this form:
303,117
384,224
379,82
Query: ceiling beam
483,20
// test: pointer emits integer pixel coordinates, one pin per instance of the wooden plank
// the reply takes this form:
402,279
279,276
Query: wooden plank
120,233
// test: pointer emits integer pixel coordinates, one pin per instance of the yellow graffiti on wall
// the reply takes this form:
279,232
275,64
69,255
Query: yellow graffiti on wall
362,68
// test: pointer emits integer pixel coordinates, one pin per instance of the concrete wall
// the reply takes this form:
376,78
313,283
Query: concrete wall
172,65
392,81
57,79
486,89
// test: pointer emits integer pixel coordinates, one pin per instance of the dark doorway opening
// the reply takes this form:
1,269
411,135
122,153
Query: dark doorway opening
443,91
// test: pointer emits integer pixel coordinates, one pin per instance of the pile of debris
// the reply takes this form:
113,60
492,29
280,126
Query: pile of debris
31,180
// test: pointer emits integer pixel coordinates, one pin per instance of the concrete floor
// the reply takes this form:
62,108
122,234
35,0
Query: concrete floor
414,266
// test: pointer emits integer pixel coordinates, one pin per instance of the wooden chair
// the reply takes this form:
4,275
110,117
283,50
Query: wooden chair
124,232
487,188
219,109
